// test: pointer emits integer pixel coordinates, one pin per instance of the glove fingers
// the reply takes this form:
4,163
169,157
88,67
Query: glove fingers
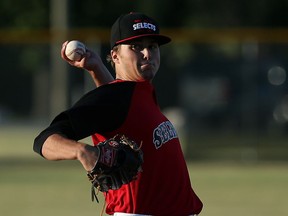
116,181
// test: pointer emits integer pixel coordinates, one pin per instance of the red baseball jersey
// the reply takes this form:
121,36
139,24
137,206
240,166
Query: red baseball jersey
163,188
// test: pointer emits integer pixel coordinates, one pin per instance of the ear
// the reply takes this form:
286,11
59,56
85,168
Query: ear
114,56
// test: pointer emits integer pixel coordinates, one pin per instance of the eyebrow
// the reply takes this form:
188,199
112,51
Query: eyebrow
141,40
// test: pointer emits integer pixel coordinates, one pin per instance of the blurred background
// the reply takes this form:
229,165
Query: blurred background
222,82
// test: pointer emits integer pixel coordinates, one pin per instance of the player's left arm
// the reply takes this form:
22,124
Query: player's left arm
91,63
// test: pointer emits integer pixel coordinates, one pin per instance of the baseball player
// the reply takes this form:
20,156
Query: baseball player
126,105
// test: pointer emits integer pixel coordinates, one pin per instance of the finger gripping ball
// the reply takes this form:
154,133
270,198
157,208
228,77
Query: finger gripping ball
75,50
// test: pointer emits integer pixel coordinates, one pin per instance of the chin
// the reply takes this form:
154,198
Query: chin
148,77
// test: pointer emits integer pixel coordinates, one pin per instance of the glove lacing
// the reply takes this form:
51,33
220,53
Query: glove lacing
94,194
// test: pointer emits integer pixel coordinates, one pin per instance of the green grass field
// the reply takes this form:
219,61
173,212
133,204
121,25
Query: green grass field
32,186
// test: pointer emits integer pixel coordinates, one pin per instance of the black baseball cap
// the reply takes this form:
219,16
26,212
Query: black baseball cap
135,25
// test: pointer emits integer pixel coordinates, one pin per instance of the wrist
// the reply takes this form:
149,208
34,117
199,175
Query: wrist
88,156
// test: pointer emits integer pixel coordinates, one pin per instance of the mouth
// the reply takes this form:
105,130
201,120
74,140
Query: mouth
146,66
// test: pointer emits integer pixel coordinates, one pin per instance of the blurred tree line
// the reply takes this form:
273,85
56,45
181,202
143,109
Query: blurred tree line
185,13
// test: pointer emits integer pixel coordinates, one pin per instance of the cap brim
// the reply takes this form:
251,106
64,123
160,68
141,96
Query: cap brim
161,39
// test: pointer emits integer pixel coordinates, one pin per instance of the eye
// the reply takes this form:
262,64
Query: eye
154,46
137,47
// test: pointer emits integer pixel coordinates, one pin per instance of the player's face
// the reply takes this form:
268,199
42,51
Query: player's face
137,61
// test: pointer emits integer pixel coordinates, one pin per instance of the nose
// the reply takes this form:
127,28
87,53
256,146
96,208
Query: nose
146,53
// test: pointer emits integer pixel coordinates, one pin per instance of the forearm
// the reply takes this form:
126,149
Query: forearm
57,147
101,75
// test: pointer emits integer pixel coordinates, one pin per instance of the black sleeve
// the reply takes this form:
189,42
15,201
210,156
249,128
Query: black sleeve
59,127
101,110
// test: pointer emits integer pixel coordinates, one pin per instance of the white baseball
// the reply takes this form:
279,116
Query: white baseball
75,50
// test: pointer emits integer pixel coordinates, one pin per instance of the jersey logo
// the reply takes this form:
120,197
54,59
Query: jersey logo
163,133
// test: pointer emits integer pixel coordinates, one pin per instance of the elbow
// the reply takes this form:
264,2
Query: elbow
37,145
39,142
